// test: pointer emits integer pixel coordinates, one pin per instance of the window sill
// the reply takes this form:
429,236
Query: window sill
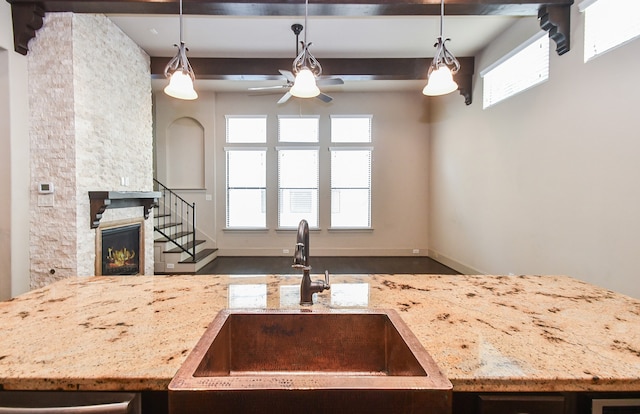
247,229
295,229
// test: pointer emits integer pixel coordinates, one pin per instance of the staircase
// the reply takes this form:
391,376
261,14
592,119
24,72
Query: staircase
176,248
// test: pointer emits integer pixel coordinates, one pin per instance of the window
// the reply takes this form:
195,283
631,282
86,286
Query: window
609,23
350,173
246,129
521,69
347,177
246,188
298,187
246,172
350,129
298,171
296,129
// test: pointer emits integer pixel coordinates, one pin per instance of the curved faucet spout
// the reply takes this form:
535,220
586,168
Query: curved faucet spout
301,261
301,256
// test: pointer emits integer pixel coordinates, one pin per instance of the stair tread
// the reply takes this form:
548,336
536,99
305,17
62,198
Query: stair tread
200,256
165,225
174,236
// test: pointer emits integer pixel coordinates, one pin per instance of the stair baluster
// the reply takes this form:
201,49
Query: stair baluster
176,217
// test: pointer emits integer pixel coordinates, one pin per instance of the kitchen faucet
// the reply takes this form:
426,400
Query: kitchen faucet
301,261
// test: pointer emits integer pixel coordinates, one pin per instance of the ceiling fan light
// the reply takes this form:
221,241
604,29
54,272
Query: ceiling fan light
181,86
305,85
440,82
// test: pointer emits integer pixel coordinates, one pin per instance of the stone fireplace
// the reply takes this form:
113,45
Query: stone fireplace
120,248
90,129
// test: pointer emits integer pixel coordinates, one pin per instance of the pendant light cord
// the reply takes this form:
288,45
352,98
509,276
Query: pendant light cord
181,21
305,59
306,26
441,17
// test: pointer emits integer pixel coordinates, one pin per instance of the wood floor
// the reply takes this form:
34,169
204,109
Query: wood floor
344,265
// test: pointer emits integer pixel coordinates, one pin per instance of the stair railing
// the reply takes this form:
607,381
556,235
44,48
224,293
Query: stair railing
176,219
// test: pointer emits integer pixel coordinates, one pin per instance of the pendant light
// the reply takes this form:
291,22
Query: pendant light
180,73
443,67
306,67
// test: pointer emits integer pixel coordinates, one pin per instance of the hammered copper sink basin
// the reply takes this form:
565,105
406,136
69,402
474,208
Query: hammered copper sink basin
362,361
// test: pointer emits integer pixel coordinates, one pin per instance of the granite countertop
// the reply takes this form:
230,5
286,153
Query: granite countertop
486,333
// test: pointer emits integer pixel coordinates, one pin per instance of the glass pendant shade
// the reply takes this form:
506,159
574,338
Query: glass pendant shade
440,82
305,85
180,73
181,86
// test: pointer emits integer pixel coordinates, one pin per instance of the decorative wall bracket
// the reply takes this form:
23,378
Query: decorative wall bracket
464,78
464,87
27,19
101,200
557,21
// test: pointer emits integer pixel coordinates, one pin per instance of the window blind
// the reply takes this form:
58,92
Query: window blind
521,69
609,24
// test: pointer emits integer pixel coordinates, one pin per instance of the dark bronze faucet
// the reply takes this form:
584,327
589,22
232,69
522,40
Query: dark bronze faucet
301,261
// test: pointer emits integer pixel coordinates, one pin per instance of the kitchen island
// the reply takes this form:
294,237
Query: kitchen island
524,334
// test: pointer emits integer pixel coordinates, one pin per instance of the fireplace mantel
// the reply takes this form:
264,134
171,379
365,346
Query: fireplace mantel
101,200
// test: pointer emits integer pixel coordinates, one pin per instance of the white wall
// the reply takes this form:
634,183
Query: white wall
399,171
201,111
399,175
14,166
547,181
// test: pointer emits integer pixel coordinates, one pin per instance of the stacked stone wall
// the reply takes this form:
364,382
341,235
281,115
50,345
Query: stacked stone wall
91,125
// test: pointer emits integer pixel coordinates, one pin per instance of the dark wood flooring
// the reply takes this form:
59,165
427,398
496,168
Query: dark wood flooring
348,265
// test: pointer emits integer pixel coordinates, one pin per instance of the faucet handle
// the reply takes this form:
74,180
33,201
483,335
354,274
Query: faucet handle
326,280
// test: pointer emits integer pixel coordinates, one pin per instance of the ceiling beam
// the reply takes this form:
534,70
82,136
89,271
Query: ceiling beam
357,69
28,15
296,8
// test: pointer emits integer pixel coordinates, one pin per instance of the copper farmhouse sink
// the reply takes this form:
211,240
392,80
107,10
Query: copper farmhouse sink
273,361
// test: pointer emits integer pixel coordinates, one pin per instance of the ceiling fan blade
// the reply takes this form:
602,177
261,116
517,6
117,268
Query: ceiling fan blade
265,88
330,81
284,98
287,74
324,97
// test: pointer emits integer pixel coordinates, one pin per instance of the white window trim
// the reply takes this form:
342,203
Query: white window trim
299,147
351,148
227,116
370,116
246,148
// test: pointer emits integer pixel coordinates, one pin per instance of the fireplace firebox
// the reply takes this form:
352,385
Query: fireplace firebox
119,250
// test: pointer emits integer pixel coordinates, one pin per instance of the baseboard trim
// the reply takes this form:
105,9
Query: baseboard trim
319,251
454,264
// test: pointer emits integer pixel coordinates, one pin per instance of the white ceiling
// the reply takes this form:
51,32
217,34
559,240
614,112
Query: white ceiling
331,37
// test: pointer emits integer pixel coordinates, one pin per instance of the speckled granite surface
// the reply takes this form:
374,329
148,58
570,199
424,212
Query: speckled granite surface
489,333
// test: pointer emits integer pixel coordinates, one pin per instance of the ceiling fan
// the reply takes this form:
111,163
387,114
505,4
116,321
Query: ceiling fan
290,77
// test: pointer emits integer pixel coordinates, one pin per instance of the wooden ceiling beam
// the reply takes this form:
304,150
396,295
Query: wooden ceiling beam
356,69
296,8
256,69
27,15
